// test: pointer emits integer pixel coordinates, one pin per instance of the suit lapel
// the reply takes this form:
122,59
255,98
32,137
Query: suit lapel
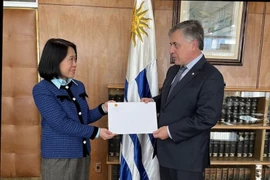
193,72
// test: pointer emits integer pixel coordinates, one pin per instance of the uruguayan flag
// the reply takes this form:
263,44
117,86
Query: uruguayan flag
137,162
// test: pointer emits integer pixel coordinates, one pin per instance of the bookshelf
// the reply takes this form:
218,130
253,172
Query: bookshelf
254,120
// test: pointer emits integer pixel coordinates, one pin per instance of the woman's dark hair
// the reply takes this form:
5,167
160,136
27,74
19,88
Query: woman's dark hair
54,52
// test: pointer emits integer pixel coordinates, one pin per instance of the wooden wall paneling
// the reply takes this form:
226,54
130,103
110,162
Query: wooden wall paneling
267,7
256,7
264,78
111,43
246,75
103,41
163,4
163,23
20,136
95,3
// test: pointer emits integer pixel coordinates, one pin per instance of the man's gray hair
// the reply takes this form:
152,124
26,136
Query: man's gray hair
192,30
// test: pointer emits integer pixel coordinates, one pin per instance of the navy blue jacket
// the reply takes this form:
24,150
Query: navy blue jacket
65,116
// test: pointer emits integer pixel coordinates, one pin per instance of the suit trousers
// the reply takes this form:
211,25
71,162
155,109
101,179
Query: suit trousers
175,174
65,169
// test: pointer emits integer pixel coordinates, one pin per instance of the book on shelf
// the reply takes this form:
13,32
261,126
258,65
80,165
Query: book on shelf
221,148
117,140
251,144
211,147
207,172
233,146
241,173
230,173
247,174
263,174
115,172
246,144
239,147
236,173
111,147
213,173
114,146
266,173
224,174
227,146
219,174
215,148
266,143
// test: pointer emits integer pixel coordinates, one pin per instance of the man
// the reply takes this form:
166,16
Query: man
191,109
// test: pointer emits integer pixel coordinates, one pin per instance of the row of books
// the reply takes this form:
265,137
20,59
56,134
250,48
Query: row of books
222,173
240,110
116,97
227,173
236,101
222,144
230,173
232,144
236,144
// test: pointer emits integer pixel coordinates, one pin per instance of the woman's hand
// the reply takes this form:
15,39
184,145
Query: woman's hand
106,104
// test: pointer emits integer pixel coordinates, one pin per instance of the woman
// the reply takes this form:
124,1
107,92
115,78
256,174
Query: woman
65,115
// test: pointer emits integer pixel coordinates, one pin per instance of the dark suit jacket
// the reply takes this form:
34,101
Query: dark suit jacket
192,109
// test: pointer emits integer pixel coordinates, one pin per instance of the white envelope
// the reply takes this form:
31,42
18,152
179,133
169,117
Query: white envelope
132,117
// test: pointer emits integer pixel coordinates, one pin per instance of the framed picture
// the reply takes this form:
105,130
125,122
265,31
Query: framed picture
21,3
223,23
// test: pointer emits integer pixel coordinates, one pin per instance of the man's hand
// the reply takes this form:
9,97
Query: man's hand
161,133
106,134
147,100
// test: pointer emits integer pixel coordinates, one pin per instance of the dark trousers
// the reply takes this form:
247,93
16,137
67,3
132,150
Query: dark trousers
174,174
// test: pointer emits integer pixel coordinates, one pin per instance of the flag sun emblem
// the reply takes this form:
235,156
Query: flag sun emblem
138,23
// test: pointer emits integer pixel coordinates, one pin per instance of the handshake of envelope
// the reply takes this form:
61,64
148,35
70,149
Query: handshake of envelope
132,117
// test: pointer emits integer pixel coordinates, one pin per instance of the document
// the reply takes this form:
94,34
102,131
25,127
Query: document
132,117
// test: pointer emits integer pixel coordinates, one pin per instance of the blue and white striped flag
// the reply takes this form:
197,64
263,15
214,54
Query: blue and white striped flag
137,162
